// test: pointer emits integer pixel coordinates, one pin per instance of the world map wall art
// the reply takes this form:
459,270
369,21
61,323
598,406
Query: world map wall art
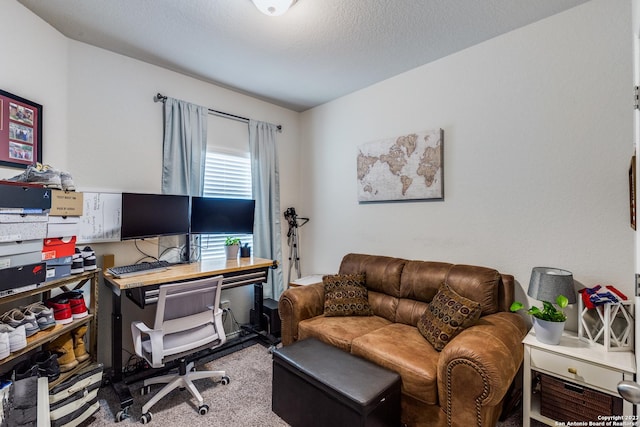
407,167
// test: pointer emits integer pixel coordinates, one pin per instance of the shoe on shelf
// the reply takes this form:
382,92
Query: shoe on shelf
24,369
47,364
43,314
63,347
77,303
79,348
61,309
39,174
89,259
77,263
5,346
17,337
15,318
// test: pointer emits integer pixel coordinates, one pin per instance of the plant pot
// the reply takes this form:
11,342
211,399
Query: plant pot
548,332
232,251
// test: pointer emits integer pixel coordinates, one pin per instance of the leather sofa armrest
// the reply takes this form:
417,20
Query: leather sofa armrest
477,367
297,304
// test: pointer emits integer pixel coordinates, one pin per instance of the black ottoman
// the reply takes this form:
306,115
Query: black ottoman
315,384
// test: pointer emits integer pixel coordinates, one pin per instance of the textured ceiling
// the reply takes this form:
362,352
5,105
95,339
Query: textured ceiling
318,51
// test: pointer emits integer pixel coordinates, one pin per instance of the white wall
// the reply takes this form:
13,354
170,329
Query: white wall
538,139
101,124
34,66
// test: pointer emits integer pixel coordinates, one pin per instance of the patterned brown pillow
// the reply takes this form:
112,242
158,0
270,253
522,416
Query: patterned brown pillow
346,295
447,315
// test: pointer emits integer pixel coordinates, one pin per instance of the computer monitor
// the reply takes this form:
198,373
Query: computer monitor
210,215
153,215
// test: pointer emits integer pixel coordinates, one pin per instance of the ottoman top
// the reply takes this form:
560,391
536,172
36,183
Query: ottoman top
351,376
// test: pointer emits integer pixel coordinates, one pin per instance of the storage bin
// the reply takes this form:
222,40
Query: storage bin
565,401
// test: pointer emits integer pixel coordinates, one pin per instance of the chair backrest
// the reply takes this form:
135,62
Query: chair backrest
189,316
186,305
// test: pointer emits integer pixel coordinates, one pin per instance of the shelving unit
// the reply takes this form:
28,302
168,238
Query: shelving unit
43,337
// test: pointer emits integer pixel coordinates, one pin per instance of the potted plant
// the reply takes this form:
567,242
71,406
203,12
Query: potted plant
548,323
231,247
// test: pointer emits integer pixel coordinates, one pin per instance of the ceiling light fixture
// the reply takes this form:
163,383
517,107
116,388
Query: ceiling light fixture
273,7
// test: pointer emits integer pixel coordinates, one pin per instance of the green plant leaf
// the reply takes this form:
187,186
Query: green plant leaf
562,301
517,305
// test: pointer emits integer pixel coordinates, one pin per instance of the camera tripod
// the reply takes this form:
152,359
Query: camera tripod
292,240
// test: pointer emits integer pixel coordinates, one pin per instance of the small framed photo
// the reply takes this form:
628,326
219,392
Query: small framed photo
20,131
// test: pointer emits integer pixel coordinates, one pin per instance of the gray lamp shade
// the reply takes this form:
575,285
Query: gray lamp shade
547,283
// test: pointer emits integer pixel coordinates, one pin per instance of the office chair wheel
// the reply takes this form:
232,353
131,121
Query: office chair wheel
122,415
146,418
145,390
202,410
225,380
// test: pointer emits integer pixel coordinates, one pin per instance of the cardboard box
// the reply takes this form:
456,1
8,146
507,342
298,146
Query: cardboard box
7,261
15,277
65,260
16,231
66,203
21,247
58,247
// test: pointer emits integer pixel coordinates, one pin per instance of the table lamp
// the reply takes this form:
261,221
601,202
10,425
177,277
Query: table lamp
545,285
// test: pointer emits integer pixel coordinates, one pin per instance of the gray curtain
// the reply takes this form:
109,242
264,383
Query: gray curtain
184,147
266,191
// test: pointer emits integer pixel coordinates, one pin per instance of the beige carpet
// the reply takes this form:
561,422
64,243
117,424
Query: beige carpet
245,402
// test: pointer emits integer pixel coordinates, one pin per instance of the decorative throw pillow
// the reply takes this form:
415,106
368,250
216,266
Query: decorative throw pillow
447,315
346,295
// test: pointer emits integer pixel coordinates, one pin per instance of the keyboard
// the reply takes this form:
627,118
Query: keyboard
137,269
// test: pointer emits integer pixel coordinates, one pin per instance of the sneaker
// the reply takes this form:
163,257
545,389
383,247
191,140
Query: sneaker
42,313
38,174
61,309
25,369
17,337
5,347
89,259
15,318
67,181
76,301
47,364
77,263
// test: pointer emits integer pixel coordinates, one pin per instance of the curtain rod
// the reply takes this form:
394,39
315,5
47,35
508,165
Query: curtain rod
161,98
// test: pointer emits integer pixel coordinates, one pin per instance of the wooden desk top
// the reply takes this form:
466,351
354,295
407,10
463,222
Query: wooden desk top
189,271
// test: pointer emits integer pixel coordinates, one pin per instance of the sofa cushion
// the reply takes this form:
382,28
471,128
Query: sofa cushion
339,331
479,284
447,315
402,349
383,273
345,295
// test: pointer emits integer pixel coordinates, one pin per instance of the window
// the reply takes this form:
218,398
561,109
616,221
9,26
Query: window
227,175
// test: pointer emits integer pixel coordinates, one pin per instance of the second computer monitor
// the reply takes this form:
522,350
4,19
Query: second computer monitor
211,215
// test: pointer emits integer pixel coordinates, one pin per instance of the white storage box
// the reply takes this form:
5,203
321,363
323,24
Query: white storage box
15,231
8,217
607,325
21,247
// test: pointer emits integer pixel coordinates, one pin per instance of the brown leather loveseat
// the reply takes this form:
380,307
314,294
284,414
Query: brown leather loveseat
465,383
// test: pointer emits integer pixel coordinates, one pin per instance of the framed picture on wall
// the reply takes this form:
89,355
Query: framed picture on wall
20,131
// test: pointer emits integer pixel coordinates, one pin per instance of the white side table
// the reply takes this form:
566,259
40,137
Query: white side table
575,361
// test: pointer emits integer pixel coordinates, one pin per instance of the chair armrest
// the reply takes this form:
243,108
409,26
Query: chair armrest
297,304
155,336
477,367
